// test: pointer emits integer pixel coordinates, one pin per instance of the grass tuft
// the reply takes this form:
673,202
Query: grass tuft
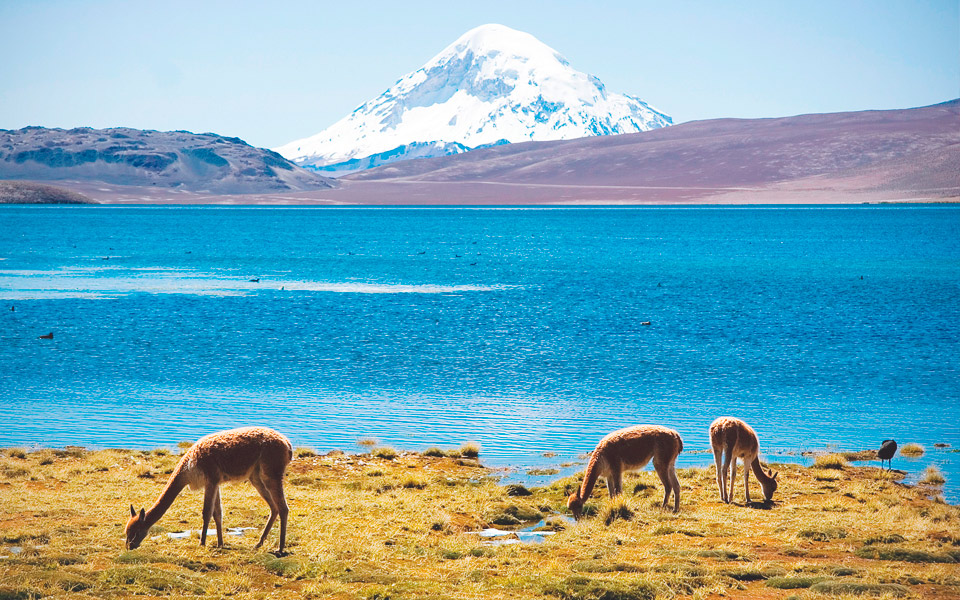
386,453
830,461
912,450
470,450
517,490
618,512
434,452
933,476
16,453
413,483
305,452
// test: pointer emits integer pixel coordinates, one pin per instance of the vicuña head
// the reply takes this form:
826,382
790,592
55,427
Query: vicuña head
575,504
769,485
136,528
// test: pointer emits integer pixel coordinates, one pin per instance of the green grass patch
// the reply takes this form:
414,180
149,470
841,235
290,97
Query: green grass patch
599,566
908,555
836,588
753,574
16,593
823,534
719,554
793,583
142,579
893,538
585,588
669,530
290,567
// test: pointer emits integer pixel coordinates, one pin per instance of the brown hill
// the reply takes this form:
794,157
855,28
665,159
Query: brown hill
871,155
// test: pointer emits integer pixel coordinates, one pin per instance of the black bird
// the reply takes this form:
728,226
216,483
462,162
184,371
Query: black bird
255,280
49,336
887,449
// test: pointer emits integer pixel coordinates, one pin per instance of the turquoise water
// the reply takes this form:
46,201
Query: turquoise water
522,330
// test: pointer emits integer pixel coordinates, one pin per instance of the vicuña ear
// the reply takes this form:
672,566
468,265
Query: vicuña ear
775,475
133,511
142,514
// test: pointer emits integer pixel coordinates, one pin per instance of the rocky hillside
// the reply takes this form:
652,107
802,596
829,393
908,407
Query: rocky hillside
28,192
182,160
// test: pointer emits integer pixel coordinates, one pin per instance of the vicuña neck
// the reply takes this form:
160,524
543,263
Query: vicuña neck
175,485
590,477
759,472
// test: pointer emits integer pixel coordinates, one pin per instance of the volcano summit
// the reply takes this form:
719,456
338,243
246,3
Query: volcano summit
492,86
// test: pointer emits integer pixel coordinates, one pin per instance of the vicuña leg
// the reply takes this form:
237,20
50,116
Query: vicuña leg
218,518
668,477
746,481
614,478
276,490
733,478
727,459
718,458
209,495
676,487
274,510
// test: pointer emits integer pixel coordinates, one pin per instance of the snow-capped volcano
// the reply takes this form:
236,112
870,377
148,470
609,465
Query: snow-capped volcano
494,85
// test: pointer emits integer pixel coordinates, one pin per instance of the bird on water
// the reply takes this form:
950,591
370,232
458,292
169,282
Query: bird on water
887,449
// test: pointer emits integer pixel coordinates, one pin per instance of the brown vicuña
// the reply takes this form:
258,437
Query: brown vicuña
257,454
631,449
732,439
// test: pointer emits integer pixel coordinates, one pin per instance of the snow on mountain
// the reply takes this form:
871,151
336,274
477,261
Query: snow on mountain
494,85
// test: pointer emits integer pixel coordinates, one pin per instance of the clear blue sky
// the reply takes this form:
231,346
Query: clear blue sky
270,72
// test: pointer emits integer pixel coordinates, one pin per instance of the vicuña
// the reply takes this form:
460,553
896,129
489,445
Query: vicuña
631,449
731,439
257,454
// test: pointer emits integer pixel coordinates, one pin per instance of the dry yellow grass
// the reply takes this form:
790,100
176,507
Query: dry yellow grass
363,527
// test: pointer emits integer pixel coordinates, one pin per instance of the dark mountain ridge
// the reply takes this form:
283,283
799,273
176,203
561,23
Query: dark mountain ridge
175,159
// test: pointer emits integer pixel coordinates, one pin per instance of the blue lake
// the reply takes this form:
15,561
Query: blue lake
520,329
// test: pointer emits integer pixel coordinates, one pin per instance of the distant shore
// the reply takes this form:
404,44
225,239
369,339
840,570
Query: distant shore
408,525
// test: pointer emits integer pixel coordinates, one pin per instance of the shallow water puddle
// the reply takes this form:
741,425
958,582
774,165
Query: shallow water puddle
527,535
235,531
